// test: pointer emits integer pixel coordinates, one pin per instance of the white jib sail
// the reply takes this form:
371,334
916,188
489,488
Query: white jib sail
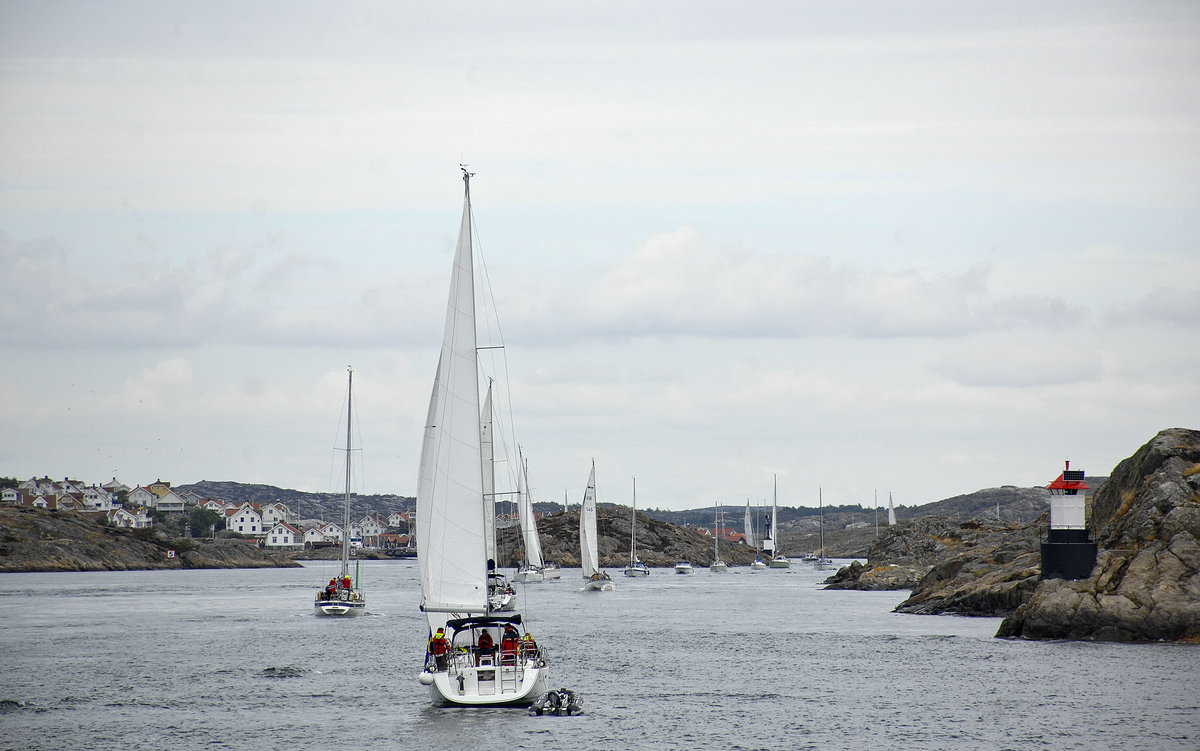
450,484
589,558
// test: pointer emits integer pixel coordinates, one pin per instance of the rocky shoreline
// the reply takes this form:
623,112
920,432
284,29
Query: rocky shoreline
41,540
1145,585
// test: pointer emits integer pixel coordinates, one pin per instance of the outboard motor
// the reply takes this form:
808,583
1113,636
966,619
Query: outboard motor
560,702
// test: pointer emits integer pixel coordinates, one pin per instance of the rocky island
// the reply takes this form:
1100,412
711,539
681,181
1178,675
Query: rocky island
1145,584
34,539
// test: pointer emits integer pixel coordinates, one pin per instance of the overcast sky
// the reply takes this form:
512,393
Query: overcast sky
923,247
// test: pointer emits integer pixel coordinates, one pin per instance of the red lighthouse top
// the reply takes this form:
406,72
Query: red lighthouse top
1070,480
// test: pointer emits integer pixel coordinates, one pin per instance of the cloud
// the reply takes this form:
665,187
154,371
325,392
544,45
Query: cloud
678,284
1020,365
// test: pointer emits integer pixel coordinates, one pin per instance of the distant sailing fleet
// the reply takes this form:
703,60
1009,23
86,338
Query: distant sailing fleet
479,652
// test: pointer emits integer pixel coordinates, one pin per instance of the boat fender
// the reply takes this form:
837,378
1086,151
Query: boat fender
426,678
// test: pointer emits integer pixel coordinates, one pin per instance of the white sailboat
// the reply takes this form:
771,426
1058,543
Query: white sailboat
822,563
717,566
778,560
530,569
891,511
589,556
461,668
340,596
758,564
635,567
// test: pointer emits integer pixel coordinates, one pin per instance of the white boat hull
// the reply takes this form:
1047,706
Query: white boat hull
601,583
637,571
487,686
528,575
719,567
550,572
683,569
340,607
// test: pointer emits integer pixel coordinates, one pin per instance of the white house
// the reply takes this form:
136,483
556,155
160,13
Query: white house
97,499
275,512
214,504
116,487
314,534
170,502
369,529
10,497
284,535
243,520
397,519
140,496
331,531
119,517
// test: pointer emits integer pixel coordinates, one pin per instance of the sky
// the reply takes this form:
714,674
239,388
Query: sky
863,248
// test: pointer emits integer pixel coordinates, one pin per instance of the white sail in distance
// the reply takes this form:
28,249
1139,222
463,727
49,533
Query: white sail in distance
589,558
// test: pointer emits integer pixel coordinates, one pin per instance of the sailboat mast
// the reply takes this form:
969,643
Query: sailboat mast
633,526
346,521
821,504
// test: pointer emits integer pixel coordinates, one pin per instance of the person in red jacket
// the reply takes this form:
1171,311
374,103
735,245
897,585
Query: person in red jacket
439,647
510,644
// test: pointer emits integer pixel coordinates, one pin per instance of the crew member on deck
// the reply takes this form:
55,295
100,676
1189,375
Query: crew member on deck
484,645
438,647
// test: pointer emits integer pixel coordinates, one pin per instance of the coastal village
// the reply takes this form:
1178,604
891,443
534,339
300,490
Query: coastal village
273,525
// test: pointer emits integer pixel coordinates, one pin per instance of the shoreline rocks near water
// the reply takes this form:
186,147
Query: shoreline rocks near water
1145,585
40,540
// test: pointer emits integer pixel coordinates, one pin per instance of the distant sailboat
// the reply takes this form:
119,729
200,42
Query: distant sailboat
758,564
749,524
531,569
636,567
461,668
778,559
717,566
340,596
823,563
589,556
891,511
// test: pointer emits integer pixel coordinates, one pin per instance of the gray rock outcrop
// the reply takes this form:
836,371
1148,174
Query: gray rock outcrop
1146,582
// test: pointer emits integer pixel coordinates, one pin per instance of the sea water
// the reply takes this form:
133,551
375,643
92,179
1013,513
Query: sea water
235,659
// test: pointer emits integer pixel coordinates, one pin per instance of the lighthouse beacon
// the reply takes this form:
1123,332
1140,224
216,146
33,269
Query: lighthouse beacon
1067,552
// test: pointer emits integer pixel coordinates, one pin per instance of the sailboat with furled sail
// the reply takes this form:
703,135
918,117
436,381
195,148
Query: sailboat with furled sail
635,568
463,666
341,596
778,559
589,555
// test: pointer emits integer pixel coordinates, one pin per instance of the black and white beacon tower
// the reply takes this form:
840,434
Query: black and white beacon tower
1067,552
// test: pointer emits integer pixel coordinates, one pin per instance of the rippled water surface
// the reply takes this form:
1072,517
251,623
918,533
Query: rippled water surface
236,660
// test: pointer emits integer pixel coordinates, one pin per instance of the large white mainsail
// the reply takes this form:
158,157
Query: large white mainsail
589,557
452,550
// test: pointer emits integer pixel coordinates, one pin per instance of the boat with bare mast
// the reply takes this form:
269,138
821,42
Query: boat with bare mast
342,596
